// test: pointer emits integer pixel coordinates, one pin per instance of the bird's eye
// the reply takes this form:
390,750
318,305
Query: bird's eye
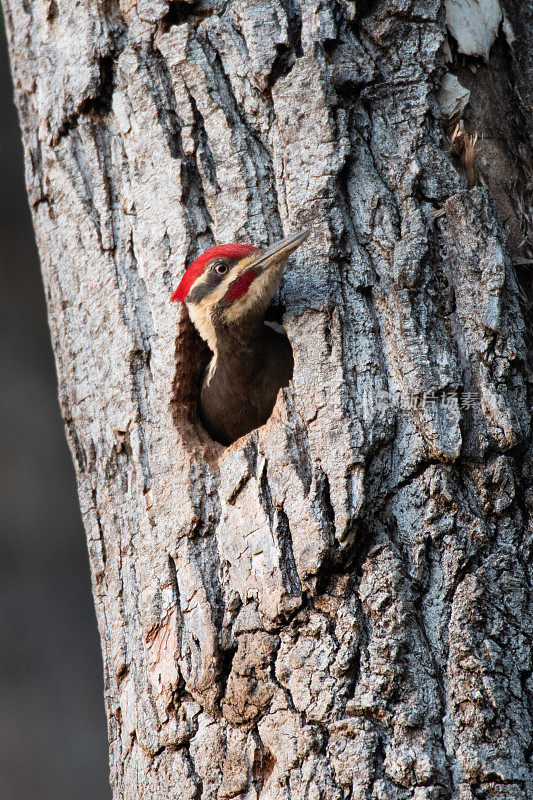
221,268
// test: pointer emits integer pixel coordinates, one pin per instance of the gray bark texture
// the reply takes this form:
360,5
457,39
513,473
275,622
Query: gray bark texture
339,604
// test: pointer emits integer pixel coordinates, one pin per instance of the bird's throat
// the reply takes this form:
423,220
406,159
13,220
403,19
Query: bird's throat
238,355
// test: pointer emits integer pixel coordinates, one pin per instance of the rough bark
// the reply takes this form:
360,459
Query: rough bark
339,604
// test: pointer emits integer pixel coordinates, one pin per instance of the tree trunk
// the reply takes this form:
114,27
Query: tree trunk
339,604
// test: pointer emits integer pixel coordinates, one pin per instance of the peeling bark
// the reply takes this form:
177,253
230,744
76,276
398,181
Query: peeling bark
339,604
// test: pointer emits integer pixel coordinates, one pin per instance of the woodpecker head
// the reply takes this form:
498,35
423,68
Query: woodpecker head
231,286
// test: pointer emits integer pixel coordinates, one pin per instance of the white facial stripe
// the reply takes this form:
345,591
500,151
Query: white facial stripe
199,280
201,317
261,292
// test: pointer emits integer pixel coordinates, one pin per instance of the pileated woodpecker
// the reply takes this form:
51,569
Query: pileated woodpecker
227,291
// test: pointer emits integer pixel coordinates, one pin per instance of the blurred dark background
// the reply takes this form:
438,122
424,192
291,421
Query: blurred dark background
53,740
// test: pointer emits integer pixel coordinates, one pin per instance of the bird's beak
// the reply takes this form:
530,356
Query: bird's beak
279,251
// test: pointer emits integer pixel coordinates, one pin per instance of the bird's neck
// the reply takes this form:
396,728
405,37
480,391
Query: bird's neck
239,348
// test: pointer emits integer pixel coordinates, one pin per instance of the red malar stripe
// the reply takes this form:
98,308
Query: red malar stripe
239,287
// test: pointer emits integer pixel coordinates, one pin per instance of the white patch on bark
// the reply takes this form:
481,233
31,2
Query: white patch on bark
474,24
453,96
